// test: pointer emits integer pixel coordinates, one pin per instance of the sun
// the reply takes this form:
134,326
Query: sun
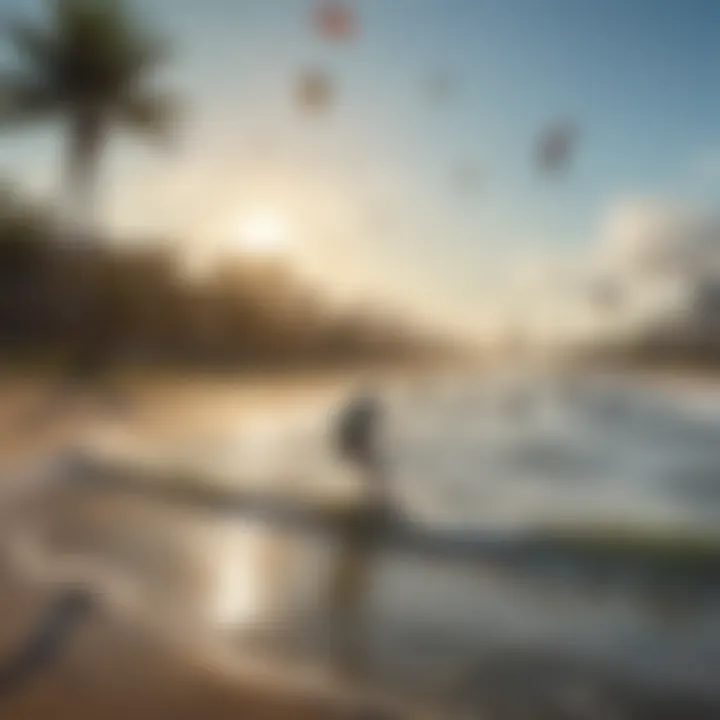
261,233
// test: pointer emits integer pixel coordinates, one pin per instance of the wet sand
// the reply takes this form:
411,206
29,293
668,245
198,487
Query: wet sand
112,669
116,664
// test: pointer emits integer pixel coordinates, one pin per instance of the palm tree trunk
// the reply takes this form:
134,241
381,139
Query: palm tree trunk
84,318
85,147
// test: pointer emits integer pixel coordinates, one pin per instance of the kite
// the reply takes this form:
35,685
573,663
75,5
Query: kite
335,21
555,148
315,91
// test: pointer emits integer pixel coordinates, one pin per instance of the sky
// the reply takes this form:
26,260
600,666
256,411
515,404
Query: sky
369,190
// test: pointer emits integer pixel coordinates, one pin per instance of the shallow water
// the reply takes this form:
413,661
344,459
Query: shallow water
512,453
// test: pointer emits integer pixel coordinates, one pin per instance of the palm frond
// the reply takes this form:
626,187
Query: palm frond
104,50
24,100
149,112
34,45
92,53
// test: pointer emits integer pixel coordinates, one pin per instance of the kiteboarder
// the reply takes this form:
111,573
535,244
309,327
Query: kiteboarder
358,443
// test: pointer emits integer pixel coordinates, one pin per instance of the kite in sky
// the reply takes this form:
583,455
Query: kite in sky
555,148
315,91
334,20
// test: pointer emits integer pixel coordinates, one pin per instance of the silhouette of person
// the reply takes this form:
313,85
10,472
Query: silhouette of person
358,442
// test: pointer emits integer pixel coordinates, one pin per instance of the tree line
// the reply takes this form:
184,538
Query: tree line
91,65
135,303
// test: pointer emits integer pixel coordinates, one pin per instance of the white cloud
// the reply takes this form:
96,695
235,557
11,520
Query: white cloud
649,251
655,251
651,237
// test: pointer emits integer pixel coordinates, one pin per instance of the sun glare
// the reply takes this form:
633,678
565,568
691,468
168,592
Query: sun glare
261,234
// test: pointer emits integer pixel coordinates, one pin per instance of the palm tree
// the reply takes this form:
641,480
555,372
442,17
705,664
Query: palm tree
90,67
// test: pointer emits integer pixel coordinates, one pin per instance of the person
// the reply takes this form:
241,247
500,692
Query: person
358,443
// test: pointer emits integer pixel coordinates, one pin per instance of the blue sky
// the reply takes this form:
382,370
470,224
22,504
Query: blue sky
637,76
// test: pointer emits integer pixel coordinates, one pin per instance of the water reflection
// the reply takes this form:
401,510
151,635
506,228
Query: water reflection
237,597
